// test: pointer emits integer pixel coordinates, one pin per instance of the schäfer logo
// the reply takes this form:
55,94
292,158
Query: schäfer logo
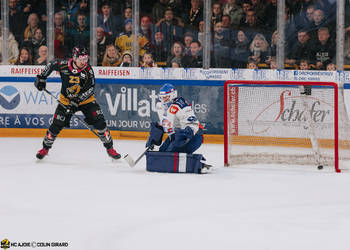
9,97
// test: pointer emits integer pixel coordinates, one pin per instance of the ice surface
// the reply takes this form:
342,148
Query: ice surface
77,195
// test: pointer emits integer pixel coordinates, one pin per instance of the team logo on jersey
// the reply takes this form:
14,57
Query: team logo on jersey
73,91
9,97
173,109
192,119
82,75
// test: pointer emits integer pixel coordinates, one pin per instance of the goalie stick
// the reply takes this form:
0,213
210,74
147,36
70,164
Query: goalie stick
61,104
131,161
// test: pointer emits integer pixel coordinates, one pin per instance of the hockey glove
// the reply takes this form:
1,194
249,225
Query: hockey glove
156,135
40,82
72,107
183,136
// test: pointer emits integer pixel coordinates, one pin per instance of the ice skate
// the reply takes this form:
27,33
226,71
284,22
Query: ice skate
206,168
113,154
42,153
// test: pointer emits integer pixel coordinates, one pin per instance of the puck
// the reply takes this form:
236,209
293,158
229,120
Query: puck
320,167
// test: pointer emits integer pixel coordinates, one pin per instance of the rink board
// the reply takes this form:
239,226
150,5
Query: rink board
128,97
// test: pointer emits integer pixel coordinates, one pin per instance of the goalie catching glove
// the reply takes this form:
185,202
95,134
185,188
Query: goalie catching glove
156,135
40,82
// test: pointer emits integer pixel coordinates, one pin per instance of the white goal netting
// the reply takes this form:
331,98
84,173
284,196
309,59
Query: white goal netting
279,122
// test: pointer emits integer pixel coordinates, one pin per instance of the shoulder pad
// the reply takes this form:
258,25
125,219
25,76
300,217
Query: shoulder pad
181,102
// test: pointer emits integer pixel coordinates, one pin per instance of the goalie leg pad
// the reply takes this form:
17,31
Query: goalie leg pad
173,162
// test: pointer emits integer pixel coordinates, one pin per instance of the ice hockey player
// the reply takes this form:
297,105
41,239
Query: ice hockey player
185,136
77,94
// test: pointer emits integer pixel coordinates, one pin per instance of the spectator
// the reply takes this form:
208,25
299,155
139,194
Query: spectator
35,6
148,61
188,39
270,16
158,49
178,55
252,63
221,45
60,42
240,52
246,5
70,8
258,48
305,20
226,24
331,67
111,24
146,27
124,41
80,34
171,28
347,48
33,25
324,49
24,57
111,57
200,34
250,25
127,13
196,60
126,59
259,7
301,50
12,49
16,21
175,64
42,55
158,9
193,16
216,13
235,12
34,43
102,41
304,65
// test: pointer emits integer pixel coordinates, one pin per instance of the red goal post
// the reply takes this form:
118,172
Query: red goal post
280,118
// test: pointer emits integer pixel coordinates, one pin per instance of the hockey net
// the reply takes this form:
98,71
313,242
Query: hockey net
284,123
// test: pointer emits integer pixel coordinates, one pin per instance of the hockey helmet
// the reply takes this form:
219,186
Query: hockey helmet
167,94
81,53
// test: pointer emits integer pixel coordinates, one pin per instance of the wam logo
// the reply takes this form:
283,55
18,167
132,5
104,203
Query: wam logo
9,97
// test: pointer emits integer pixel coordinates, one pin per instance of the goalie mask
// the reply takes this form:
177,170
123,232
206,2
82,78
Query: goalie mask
167,94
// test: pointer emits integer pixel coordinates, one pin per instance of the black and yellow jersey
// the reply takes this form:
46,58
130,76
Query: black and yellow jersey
76,83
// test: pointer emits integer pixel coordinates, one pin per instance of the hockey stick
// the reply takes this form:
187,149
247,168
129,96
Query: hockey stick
62,105
130,160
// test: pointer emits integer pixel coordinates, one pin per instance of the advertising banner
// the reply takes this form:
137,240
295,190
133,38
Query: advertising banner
128,95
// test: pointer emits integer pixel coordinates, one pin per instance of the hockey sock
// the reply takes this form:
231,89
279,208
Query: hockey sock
49,139
105,137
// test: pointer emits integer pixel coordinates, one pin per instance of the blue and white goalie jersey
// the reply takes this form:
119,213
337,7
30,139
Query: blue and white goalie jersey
178,115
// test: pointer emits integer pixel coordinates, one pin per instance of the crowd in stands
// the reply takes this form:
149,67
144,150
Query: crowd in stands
171,33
